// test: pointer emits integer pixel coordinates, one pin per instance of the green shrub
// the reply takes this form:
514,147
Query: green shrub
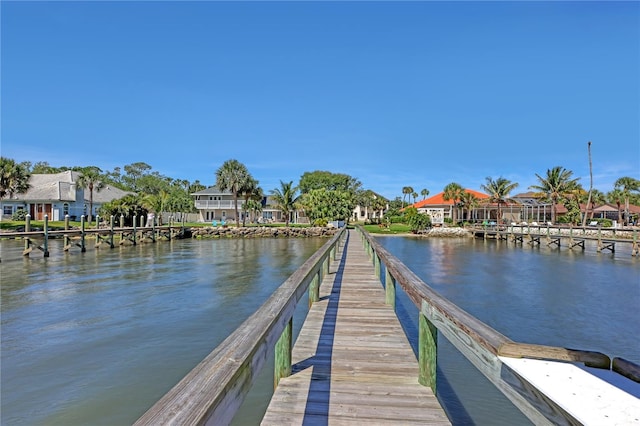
19,215
605,223
321,222
395,219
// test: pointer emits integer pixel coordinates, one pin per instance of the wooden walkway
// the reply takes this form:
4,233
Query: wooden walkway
352,363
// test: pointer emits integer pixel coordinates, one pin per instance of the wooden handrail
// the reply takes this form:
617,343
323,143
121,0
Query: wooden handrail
482,345
213,391
420,293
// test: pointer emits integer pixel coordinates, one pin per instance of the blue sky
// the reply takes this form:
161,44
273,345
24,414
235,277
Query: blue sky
395,94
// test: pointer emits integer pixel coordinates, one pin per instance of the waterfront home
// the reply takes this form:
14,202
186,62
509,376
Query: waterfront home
57,195
368,213
438,208
215,205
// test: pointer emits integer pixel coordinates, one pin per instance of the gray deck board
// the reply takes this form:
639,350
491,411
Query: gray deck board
352,361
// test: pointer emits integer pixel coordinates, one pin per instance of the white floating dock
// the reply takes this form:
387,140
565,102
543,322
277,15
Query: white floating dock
603,398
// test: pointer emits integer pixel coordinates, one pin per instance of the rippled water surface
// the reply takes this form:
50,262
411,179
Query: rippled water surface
96,338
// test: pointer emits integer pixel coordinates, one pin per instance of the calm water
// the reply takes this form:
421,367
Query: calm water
96,338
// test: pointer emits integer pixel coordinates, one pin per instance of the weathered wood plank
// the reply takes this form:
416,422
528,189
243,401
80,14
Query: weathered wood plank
352,362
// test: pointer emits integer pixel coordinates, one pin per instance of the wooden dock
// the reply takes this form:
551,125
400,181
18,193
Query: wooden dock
352,363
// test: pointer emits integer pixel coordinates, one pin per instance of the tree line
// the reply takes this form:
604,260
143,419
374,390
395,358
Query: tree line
323,196
149,190
556,186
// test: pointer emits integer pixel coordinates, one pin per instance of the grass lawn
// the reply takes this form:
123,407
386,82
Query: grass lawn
396,228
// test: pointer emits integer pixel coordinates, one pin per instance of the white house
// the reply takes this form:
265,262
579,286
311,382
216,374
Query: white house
364,213
57,195
216,205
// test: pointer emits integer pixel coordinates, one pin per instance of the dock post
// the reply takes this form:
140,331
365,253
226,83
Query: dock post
135,222
390,289
427,352
45,244
121,229
599,239
153,229
282,367
98,237
314,289
67,240
548,235
27,241
634,246
83,247
376,264
325,266
111,232
571,235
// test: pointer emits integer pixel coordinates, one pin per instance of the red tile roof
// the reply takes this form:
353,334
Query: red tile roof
438,199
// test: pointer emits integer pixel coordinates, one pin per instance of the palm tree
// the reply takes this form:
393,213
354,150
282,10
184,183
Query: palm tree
232,175
90,179
156,203
468,201
253,206
285,198
249,190
14,178
414,195
555,185
453,192
626,185
424,193
498,191
406,190
616,197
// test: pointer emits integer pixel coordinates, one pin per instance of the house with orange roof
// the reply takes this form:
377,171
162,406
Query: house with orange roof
439,208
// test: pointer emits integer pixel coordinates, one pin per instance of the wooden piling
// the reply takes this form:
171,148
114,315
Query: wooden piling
27,241
45,244
314,289
427,352
390,289
283,348
83,234
67,239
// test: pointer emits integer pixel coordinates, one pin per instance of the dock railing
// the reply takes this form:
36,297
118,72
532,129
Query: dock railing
479,343
213,391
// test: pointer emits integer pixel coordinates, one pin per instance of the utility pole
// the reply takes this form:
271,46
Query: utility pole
584,218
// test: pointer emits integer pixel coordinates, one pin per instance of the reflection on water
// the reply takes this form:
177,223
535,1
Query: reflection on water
96,338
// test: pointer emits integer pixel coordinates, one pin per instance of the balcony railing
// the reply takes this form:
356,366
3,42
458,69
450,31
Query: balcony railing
217,204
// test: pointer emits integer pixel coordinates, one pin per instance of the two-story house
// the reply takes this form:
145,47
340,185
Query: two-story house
216,205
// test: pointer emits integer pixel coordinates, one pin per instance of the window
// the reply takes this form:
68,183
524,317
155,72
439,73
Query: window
8,210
